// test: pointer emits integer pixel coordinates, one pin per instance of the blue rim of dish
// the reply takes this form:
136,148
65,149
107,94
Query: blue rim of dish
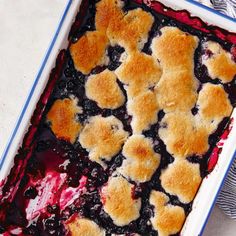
19,120
217,193
233,156
211,10
3,157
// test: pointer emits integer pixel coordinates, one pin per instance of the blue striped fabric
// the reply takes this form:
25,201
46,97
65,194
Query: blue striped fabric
227,197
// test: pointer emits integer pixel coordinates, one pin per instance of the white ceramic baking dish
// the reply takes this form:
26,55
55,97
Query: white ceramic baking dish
211,185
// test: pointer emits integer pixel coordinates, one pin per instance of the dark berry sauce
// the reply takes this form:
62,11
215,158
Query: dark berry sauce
46,164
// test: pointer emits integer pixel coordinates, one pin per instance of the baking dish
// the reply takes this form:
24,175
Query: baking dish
211,184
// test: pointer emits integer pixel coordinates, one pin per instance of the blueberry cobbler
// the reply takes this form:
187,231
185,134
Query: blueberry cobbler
125,130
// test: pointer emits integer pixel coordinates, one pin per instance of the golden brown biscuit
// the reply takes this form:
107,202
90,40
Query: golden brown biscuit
132,31
84,227
143,109
103,137
177,91
108,11
119,202
139,71
62,117
214,104
141,161
181,178
168,219
183,135
220,65
104,89
174,49
89,51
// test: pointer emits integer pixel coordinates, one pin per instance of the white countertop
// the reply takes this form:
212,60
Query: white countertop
26,29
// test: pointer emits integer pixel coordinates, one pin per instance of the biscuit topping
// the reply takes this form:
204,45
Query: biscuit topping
177,90
181,178
143,110
139,72
141,161
107,13
184,135
103,89
118,201
132,30
214,104
62,117
168,219
84,227
89,51
220,64
174,49
103,137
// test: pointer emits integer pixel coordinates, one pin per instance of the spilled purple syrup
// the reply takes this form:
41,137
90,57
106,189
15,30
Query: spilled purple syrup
45,164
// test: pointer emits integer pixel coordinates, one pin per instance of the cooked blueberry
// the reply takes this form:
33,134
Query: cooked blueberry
31,192
161,115
71,85
62,84
52,224
31,230
68,72
194,111
42,145
53,209
2,228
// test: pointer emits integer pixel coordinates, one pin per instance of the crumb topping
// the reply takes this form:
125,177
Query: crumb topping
143,110
118,201
84,227
168,219
184,135
103,137
220,64
104,89
62,117
181,178
139,72
89,51
141,161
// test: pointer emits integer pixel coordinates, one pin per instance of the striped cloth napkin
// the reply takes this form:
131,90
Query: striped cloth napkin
227,197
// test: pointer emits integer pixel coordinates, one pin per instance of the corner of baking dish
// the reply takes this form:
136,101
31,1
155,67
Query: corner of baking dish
23,121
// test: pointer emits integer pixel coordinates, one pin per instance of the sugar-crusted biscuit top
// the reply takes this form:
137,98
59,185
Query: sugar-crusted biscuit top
89,51
181,178
104,89
220,64
174,49
184,134
168,219
62,117
119,202
139,72
140,159
143,109
103,137
84,227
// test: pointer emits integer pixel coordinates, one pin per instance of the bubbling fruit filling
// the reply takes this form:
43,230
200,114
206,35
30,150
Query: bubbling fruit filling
130,122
